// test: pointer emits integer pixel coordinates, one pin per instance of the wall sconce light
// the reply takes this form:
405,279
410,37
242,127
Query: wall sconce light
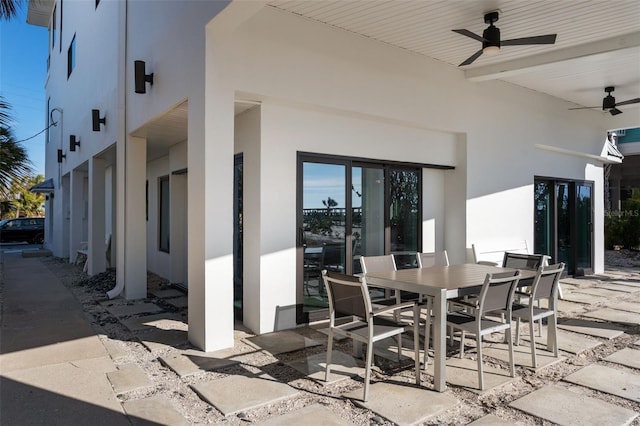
73,142
141,78
61,156
95,118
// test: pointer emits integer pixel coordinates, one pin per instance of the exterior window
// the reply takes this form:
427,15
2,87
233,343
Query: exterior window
48,119
52,27
71,56
164,213
97,3
60,26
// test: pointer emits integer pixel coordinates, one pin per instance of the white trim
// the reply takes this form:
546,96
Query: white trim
598,158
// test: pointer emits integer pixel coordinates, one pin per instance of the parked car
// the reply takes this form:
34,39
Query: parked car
29,229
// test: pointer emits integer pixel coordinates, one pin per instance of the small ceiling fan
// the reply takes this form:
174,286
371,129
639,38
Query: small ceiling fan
491,42
609,102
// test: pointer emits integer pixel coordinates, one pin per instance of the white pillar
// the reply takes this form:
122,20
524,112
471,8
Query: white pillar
97,255
76,210
179,231
131,218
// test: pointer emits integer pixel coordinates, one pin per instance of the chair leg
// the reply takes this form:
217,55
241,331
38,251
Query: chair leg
480,372
416,342
532,333
427,333
461,343
512,365
367,374
327,370
552,333
518,331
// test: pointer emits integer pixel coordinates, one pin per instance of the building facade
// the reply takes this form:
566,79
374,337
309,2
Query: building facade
266,146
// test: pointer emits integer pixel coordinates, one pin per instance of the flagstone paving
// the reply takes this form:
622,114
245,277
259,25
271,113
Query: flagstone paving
167,293
585,298
313,414
522,355
627,356
490,420
573,343
568,408
464,372
343,366
153,410
591,328
632,283
234,394
163,321
128,378
600,292
608,380
186,365
627,306
615,315
282,342
178,302
417,403
121,309
624,288
158,340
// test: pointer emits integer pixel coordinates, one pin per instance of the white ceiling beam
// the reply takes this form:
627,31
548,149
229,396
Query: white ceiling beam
518,66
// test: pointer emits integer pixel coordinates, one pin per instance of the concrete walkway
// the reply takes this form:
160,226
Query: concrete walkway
56,370
52,363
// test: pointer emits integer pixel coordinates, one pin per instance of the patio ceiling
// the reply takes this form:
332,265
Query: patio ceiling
598,42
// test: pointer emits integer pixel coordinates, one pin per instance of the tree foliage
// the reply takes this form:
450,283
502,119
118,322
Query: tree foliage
8,9
14,160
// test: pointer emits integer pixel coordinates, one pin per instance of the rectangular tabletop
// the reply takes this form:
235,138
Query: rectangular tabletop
442,283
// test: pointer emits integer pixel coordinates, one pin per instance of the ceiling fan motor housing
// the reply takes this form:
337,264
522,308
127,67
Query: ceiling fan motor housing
608,102
491,37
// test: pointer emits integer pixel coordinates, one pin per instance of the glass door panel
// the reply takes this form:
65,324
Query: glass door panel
367,225
563,227
543,232
404,218
324,228
583,227
237,238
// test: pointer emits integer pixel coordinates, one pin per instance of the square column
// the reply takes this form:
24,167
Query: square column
131,263
76,213
97,247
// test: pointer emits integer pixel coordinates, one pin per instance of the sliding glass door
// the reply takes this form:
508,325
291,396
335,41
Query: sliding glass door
349,209
564,223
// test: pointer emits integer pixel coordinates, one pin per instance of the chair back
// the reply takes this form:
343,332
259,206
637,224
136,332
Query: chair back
546,283
377,263
333,257
497,292
436,258
524,261
348,295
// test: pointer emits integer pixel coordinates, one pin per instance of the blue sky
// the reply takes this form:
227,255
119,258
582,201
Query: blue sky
23,69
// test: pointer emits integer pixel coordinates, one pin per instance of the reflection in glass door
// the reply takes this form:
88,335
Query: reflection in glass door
584,226
349,209
367,229
323,228
564,223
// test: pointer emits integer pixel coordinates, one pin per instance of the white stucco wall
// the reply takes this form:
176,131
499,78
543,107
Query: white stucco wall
326,91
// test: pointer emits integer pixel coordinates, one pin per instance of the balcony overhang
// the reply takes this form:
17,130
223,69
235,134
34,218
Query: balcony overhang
39,12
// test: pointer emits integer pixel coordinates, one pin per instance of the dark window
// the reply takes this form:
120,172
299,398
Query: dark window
60,26
164,209
97,3
71,56
48,118
53,27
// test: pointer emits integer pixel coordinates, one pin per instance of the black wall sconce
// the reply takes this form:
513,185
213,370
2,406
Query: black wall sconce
73,142
142,78
96,120
61,156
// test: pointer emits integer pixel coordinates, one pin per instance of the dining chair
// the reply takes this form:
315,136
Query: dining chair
349,296
545,286
426,260
381,263
496,296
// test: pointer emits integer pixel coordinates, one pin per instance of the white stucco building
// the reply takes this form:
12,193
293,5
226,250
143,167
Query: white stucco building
254,117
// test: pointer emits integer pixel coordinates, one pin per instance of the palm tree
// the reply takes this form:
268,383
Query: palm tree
8,8
14,161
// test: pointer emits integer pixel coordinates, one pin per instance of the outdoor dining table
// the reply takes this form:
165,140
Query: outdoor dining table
442,283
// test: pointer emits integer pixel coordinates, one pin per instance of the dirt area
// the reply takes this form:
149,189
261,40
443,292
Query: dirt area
90,291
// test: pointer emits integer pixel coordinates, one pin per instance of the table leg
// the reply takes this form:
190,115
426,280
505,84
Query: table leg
439,343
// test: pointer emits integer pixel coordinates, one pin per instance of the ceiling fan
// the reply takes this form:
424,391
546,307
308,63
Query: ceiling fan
491,39
609,102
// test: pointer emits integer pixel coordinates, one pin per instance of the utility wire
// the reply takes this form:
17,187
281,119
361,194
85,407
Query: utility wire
55,123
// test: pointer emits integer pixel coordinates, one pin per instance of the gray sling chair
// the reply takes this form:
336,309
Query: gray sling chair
349,296
545,286
426,260
496,296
